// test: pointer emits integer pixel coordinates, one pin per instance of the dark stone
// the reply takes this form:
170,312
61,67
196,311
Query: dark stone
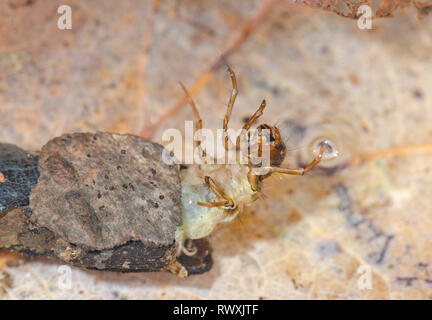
134,256
18,174
201,261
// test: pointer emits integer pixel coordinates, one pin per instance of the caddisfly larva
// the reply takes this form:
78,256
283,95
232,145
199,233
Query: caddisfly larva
109,202
215,193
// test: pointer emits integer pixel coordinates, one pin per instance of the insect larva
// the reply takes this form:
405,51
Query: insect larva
108,202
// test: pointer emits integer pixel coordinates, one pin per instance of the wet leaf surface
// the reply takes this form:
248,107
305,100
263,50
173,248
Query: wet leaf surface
367,90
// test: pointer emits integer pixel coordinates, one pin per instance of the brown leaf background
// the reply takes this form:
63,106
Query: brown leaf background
369,90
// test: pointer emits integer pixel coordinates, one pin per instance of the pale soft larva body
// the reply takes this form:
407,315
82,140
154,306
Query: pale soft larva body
199,221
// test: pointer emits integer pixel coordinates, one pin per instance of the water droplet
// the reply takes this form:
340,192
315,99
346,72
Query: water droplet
329,147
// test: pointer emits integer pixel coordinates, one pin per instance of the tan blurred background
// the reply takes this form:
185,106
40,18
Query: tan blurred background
369,90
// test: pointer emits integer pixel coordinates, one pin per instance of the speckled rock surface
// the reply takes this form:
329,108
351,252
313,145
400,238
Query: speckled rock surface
368,90
103,190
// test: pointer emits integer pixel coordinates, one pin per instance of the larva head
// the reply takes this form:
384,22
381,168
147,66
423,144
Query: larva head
277,146
269,136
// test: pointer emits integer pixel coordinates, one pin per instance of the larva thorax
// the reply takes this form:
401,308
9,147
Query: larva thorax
199,221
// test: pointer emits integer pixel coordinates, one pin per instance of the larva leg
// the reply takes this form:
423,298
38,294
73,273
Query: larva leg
251,121
253,180
297,171
218,191
198,120
231,101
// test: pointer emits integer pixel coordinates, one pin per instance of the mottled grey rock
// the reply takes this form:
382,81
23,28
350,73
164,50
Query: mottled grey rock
99,191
